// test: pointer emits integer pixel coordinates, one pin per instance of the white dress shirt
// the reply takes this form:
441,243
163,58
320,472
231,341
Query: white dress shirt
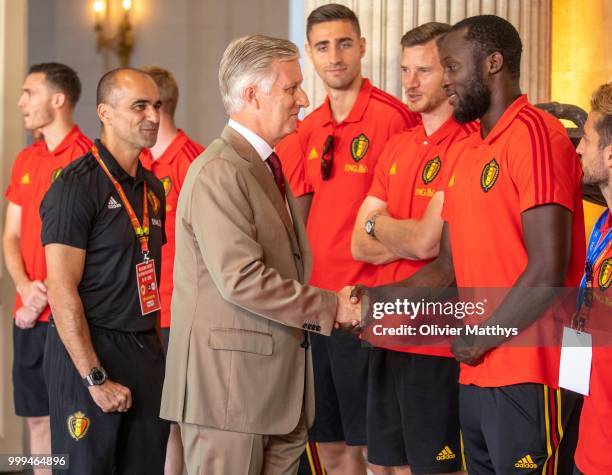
262,147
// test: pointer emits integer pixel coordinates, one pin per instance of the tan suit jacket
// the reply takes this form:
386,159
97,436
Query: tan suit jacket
240,307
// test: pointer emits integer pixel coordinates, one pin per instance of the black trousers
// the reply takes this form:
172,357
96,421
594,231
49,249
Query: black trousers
101,443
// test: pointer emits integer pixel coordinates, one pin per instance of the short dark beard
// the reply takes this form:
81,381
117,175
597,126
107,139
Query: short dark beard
475,102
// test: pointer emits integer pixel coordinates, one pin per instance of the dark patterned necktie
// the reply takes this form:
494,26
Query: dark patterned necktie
277,170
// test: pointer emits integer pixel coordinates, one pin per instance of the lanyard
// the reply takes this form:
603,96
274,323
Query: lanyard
142,231
598,248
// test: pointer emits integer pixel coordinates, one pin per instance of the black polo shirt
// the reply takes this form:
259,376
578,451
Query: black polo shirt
82,209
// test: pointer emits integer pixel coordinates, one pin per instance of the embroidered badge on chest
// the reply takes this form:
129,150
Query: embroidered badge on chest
55,174
154,201
489,175
605,274
431,170
359,147
167,182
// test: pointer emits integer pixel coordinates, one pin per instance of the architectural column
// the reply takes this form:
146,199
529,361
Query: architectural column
383,22
12,68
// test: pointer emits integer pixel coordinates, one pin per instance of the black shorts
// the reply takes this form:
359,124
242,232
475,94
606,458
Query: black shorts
341,378
413,412
133,442
519,429
165,336
29,388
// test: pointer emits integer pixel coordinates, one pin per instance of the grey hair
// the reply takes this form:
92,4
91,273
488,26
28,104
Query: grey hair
247,61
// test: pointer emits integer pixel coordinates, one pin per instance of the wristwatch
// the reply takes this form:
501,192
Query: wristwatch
95,377
369,225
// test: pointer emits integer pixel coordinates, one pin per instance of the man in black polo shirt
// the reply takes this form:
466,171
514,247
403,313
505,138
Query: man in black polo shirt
103,228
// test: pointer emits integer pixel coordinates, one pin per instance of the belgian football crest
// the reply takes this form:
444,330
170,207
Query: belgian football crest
154,201
431,170
359,147
489,176
55,174
605,274
167,182
78,425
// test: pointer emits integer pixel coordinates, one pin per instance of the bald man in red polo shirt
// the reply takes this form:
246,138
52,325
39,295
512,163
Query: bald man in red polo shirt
169,160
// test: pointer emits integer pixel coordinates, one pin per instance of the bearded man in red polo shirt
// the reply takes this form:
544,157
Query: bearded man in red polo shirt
513,220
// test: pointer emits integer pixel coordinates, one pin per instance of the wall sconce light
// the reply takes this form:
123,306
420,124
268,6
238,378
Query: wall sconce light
122,42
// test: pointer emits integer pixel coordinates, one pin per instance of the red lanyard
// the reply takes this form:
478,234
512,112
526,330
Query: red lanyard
142,232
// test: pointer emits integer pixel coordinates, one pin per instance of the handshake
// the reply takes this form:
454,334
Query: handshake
349,312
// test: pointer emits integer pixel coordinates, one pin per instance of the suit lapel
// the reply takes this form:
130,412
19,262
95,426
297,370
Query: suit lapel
263,176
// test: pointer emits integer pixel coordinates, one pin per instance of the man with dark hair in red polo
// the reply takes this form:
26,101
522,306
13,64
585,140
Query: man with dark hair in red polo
514,222
413,414
332,168
50,93
169,160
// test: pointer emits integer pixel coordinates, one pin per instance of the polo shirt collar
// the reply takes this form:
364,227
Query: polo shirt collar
73,134
506,119
359,108
169,154
446,129
113,166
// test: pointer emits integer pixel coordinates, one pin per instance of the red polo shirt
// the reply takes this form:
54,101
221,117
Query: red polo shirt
593,454
34,170
171,168
411,169
527,160
358,141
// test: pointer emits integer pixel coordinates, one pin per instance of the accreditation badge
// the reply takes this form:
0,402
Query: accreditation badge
147,287
576,356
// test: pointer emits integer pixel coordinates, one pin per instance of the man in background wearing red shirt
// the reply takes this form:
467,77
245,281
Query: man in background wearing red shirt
50,93
339,145
413,413
593,455
169,160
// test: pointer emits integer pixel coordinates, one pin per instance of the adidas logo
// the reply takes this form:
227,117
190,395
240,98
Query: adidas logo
113,203
446,454
526,462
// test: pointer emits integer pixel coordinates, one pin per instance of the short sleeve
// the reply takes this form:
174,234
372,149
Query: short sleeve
380,183
67,213
14,192
292,158
543,166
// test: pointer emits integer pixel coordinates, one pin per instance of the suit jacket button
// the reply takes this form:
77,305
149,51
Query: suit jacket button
305,326
297,256
318,328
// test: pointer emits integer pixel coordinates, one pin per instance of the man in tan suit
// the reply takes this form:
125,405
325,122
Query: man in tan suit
239,371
